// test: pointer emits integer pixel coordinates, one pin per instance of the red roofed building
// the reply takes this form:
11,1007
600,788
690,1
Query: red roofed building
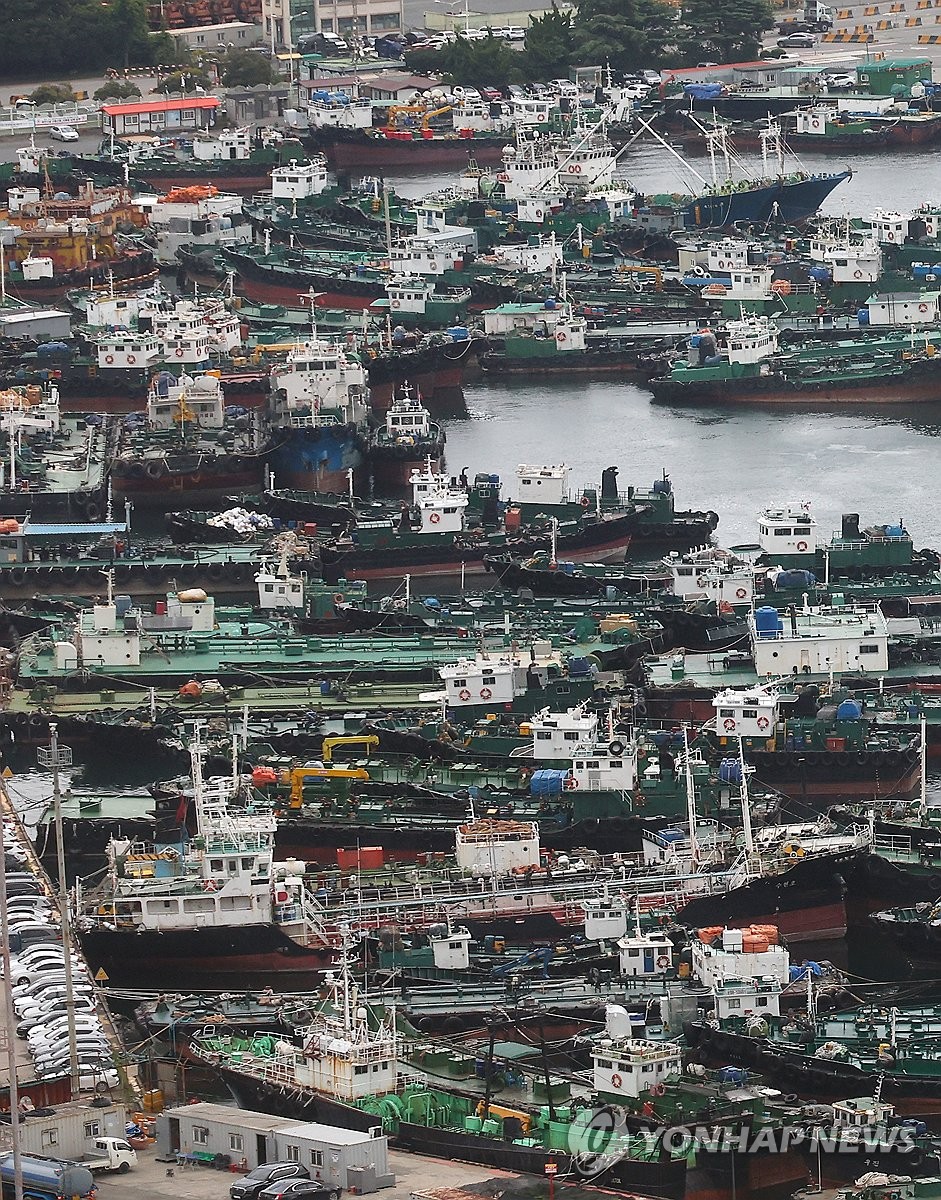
158,117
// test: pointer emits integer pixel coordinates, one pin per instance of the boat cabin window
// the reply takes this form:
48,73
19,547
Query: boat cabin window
198,904
868,649
800,531
749,712
633,954
616,764
460,683
726,712
782,532
544,735
684,570
735,1004
646,1068
235,903
162,906
215,864
605,1064
592,766
247,864
454,945
569,737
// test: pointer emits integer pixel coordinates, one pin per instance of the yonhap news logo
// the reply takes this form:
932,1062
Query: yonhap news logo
599,1138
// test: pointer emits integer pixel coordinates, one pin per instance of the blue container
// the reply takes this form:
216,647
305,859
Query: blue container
894,531
432,602
458,333
731,1075
325,687
821,274
767,622
579,667
694,340
547,782
849,710
863,316
569,568
672,835
730,771
659,737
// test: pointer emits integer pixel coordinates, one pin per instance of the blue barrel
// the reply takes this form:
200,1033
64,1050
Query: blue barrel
849,710
767,622
325,687
863,316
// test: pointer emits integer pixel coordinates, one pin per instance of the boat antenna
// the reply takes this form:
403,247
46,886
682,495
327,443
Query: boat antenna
690,802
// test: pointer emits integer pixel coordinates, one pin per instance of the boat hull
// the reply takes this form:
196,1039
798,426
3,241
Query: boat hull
318,459
205,957
786,201
920,386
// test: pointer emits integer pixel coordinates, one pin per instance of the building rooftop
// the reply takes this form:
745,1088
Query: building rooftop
152,106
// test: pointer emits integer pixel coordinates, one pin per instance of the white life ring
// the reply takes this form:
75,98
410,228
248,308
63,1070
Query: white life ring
616,1080
485,693
740,594
464,694
802,546
922,308
560,336
857,274
179,353
435,518
890,236
663,962
131,360
109,358
396,304
763,724
728,725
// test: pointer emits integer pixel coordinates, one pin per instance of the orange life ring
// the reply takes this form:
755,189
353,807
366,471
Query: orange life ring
657,1090
857,274
131,360
435,518
571,784
663,961
574,169
585,502
802,546
432,265
922,308
503,177
338,597
109,358
890,236
485,693
538,214
179,353
763,723
616,1080
560,336
396,304
464,694
741,593
728,725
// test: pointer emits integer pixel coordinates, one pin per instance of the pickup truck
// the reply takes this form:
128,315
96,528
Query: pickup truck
109,1154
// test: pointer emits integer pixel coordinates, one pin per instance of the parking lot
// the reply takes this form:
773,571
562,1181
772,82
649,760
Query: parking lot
413,1173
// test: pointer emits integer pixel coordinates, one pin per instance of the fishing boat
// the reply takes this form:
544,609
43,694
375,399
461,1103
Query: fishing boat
186,446
744,365
317,417
407,441
240,158
209,908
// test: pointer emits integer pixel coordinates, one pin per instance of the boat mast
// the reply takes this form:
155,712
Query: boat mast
690,803
747,833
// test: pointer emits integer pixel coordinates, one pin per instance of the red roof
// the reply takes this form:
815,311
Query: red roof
120,110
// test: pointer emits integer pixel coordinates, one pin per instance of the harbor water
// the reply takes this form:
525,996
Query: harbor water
883,464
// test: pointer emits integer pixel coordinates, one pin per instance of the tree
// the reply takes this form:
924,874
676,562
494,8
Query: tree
245,68
52,93
118,89
57,37
487,62
184,81
550,45
625,34
724,30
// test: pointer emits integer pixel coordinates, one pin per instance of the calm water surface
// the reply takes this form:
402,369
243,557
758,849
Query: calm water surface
883,464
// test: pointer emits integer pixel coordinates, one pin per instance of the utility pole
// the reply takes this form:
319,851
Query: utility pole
53,759
10,1022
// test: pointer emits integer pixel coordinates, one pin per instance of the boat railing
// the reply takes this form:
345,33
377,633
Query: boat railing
862,543
894,843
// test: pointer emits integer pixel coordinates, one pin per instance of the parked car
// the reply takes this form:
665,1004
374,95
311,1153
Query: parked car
797,40
63,133
298,1189
840,81
250,1185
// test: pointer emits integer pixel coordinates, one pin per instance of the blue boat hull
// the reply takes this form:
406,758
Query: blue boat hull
316,459
785,200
